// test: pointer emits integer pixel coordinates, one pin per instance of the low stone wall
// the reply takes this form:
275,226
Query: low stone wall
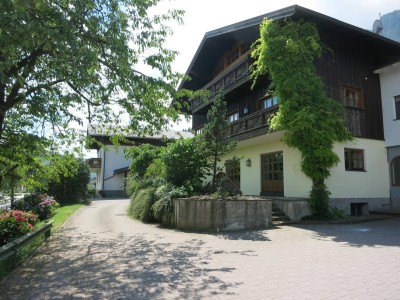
222,215
295,209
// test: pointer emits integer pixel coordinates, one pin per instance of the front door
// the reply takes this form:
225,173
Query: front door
272,174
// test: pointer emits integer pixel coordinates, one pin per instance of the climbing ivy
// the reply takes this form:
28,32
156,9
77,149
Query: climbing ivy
286,51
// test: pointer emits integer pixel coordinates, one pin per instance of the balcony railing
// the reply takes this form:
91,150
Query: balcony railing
252,124
94,163
237,73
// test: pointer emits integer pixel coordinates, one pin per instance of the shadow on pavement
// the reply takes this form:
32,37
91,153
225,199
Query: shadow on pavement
376,233
124,267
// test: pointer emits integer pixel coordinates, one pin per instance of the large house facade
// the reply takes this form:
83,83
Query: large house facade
268,166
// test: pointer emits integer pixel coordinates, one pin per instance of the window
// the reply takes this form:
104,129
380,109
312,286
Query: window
397,106
233,117
232,170
352,97
354,159
268,102
396,171
198,131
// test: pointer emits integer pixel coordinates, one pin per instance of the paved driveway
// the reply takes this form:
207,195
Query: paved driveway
102,254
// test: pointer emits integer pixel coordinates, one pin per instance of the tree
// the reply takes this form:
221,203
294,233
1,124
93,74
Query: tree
215,136
142,157
286,51
70,182
71,61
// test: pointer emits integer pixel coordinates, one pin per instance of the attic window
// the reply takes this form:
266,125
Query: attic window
352,97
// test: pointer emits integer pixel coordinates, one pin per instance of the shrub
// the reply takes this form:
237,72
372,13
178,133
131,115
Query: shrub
42,205
71,185
141,203
14,224
142,157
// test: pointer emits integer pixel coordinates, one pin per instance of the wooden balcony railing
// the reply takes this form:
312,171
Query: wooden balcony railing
94,163
225,81
252,123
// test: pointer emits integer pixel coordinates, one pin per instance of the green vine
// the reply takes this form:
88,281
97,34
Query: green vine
286,51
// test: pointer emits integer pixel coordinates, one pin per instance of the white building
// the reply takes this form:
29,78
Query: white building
112,165
390,90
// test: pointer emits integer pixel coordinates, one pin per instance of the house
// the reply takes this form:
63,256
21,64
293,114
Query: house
268,166
390,90
112,166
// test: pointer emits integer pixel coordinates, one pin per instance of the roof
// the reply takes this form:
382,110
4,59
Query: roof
216,42
158,139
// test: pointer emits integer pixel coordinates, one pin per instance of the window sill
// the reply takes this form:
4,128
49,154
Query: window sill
356,170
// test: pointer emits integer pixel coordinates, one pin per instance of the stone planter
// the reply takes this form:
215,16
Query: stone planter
206,214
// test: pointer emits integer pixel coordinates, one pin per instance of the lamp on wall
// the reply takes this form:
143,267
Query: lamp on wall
248,163
245,110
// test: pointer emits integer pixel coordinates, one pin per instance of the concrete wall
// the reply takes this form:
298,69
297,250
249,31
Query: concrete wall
222,215
295,209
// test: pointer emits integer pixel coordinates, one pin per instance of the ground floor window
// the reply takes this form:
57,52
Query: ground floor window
354,159
232,170
396,171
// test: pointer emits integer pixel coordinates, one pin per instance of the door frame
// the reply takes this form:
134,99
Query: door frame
271,193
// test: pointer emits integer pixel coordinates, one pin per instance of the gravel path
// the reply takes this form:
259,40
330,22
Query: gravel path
103,254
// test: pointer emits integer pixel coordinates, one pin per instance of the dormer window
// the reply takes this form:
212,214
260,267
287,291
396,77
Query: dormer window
352,97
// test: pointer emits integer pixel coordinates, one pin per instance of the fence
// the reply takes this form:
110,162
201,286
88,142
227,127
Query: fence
15,252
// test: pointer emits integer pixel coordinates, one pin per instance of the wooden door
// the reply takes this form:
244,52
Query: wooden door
272,173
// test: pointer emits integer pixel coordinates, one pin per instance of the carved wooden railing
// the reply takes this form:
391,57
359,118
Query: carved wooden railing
225,81
94,163
252,122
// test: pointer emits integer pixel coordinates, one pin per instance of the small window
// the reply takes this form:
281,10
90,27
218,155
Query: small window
396,171
354,159
353,97
268,102
198,131
397,106
232,169
233,117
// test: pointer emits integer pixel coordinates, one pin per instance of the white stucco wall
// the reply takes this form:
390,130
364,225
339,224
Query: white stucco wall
373,183
111,159
390,87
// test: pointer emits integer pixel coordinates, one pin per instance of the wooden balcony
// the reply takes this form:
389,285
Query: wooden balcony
233,76
252,125
94,163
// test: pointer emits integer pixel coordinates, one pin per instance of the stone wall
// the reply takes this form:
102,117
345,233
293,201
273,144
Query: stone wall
222,215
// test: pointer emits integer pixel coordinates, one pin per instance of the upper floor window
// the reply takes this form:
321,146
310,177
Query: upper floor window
352,97
268,102
198,131
233,117
354,159
397,106
396,171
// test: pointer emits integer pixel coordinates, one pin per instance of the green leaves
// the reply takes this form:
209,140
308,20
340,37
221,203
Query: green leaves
286,51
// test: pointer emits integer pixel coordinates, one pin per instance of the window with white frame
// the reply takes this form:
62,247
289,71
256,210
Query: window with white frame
233,117
268,102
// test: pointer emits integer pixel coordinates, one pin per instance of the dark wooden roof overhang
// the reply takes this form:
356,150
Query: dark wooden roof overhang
216,42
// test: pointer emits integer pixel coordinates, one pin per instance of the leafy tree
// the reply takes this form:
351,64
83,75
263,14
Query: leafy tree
70,183
68,62
142,157
185,162
214,136
286,51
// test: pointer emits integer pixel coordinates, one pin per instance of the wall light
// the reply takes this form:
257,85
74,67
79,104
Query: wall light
245,110
248,163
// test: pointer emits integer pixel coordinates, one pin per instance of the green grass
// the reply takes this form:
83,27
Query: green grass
61,216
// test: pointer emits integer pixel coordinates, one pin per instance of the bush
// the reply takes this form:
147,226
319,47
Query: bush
142,157
42,205
71,185
141,203
14,224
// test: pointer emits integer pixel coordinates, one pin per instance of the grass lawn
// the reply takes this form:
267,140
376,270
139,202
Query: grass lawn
61,216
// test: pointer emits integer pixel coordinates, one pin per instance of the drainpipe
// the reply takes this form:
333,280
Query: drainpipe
104,169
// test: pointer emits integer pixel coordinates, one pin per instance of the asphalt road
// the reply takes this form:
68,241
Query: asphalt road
103,254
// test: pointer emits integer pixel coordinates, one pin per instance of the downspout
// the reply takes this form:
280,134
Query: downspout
104,171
